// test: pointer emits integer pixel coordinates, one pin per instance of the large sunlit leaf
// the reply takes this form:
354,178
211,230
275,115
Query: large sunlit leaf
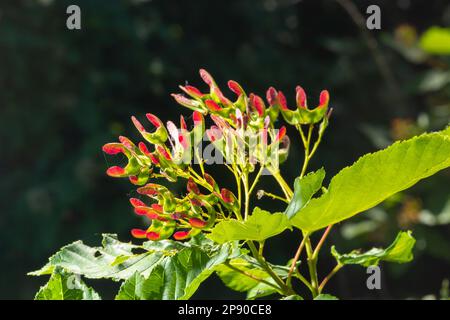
259,226
400,251
65,286
114,259
304,189
375,177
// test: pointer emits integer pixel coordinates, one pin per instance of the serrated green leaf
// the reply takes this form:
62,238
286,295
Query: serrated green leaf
65,286
400,251
304,189
185,264
176,277
259,226
375,177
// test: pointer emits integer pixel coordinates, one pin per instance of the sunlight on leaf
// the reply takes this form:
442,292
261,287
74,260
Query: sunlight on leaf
259,226
374,178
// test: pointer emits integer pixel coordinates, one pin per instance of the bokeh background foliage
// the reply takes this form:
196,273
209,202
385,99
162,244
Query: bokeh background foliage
66,93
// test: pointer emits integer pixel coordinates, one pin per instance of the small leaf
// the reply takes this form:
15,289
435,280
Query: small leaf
259,226
186,264
304,189
325,296
374,178
65,286
436,40
400,251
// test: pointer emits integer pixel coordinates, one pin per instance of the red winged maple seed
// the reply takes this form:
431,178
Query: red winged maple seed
152,235
126,142
148,212
235,87
271,95
212,105
189,103
324,99
197,223
213,87
141,211
196,202
281,133
139,233
197,118
148,190
134,179
226,195
144,148
300,97
157,207
137,124
192,187
183,123
257,103
112,148
173,130
210,180
206,77
214,133
154,120
135,202
161,150
181,235
183,140
282,100
115,171
192,91
154,159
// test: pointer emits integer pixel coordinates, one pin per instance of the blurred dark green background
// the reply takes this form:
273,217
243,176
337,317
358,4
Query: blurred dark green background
66,93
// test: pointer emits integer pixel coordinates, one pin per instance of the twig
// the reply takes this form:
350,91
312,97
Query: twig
322,240
329,276
294,261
